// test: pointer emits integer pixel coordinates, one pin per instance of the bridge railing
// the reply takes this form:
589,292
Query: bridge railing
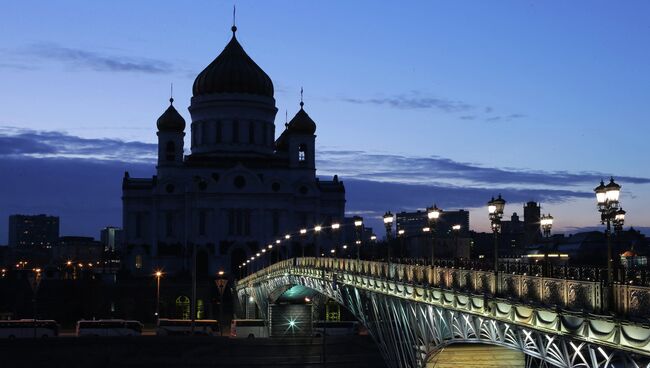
584,295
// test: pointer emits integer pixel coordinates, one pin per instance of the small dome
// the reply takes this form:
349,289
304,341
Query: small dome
628,253
171,120
302,123
233,71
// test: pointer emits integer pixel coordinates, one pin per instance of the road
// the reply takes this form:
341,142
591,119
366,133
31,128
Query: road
189,351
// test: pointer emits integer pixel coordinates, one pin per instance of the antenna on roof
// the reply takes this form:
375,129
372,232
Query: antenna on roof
234,25
301,102
171,93
286,118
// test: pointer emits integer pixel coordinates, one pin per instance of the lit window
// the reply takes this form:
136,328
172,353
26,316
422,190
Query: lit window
138,261
302,153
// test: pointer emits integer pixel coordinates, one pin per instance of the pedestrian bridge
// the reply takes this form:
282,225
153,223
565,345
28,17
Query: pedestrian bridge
413,311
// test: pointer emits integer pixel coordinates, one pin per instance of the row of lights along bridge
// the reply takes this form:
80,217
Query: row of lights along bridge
607,196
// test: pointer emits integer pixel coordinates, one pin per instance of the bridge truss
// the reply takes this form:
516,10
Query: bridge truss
410,323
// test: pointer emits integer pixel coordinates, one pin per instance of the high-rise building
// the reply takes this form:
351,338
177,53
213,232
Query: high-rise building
33,230
532,225
413,222
239,189
111,238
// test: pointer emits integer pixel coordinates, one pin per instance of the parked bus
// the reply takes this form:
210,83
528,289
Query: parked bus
209,327
109,327
28,328
338,328
248,328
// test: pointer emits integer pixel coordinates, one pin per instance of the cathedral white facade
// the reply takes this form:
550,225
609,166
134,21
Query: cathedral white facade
239,190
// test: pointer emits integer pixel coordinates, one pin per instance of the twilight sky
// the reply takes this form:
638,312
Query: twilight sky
419,102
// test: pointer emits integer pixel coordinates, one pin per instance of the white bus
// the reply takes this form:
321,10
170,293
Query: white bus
335,328
167,327
28,328
109,327
248,328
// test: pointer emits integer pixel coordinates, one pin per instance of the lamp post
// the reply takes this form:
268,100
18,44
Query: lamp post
456,230
619,220
34,281
335,227
358,223
433,214
400,235
608,205
546,221
388,223
303,233
317,230
495,210
221,283
288,247
158,275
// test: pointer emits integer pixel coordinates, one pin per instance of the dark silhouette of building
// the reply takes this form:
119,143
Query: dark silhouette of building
77,249
33,230
532,226
239,189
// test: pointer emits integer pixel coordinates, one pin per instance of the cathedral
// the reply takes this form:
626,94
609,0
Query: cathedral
239,189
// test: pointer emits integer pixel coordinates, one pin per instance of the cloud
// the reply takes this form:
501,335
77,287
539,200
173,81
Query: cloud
351,164
435,170
16,66
80,179
378,196
415,100
98,61
86,193
504,118
32,143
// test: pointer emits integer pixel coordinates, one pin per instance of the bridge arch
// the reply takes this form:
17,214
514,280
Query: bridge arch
411,322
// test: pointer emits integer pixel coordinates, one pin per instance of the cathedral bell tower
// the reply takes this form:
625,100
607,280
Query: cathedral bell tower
171,126
301,140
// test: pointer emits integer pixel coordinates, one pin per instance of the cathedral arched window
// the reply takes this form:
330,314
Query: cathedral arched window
183,307
235,131
203,214
302,153
170,150
218,132
251,132
169,224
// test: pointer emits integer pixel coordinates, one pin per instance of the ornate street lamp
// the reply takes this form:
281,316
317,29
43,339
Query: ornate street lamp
433,214
608,205
335,227
303,234
388,223
400,234
546,221
317,230
619,220
158,275
495,210
358,223
456,230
